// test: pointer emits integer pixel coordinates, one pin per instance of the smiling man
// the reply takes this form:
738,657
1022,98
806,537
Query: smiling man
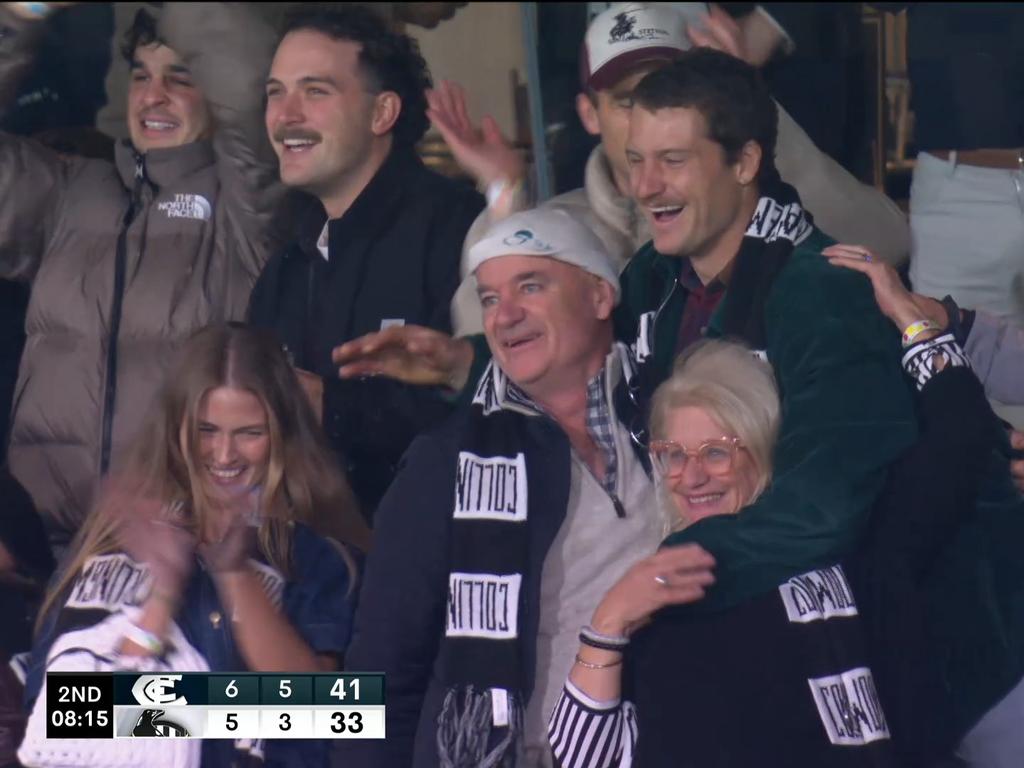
126,260
381,241
505,526
734,254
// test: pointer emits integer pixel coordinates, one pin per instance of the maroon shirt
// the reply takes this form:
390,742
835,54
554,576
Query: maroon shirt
701,302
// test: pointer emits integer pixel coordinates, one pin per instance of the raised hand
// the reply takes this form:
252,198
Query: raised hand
409,353
151,532
481,150
672,576
752,38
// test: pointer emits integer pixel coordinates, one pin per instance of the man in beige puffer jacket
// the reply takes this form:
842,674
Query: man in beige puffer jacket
127,260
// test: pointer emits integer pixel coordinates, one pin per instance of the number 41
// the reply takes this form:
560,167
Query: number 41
338,689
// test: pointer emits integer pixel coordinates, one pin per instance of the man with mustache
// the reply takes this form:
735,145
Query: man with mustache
381,243
125,260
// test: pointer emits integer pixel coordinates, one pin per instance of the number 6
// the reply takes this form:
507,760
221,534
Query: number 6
231,690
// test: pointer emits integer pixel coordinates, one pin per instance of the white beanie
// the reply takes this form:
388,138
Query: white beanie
548,232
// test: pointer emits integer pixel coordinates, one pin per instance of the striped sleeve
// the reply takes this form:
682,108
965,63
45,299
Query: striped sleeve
924,360
589,734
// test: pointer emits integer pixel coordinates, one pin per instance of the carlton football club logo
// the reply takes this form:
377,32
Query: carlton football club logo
153,723
157,690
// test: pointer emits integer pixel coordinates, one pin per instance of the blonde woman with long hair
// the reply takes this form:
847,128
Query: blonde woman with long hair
215,547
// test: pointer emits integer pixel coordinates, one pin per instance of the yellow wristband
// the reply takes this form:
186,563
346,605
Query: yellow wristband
915,329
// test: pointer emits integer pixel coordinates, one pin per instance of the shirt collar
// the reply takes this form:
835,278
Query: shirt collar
689,279
322,241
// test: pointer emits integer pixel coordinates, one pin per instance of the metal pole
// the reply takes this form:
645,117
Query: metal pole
537,137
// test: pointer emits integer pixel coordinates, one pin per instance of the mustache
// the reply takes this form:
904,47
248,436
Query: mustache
295,133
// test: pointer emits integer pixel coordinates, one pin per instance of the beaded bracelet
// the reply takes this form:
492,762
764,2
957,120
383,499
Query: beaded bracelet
915,329
593,638
589,665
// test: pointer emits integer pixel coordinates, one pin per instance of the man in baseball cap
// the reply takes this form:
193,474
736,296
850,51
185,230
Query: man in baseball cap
528,505
622,45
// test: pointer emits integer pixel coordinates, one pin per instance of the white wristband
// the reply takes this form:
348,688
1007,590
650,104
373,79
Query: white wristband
144,639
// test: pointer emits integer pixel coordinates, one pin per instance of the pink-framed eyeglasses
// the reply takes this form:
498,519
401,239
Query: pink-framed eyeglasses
716,457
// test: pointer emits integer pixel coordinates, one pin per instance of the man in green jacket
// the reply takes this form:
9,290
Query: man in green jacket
734,254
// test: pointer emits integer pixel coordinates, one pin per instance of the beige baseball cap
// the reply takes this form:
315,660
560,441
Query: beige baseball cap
627,35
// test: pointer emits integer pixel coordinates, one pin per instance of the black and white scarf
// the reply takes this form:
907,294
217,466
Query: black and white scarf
481,655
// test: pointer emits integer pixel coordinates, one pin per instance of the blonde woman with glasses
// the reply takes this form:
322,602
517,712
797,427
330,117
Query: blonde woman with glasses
786,677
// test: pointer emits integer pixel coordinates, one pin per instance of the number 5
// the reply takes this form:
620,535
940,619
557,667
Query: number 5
285,689
231,722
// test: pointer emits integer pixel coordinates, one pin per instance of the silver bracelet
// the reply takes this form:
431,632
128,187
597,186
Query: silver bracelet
590,636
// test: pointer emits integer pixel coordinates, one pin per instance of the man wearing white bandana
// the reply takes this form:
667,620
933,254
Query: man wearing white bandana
504,526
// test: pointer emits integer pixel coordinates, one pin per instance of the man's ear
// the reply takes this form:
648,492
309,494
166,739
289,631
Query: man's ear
587,111
748,163
387,107
604,298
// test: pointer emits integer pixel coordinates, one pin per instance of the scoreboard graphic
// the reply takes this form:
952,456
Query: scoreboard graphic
194,705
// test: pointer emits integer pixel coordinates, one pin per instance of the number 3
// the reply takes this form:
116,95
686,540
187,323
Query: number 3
286,721
339,722
355,726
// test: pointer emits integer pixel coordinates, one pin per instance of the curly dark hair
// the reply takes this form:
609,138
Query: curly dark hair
390,61
141,32
729,93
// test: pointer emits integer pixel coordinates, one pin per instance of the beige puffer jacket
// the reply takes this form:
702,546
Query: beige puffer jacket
109,301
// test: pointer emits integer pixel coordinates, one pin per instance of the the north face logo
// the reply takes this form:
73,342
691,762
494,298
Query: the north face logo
186,206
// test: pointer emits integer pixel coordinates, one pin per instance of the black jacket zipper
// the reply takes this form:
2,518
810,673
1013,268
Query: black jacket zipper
120,268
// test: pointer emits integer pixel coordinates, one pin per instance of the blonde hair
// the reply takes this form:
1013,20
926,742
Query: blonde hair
302,482
729,383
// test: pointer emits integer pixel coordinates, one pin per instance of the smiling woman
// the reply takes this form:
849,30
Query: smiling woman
714,421
228,505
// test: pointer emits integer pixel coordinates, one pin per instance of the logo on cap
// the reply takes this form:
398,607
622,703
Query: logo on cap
527,238
625,29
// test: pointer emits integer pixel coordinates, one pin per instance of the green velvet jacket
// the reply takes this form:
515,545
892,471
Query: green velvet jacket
847,412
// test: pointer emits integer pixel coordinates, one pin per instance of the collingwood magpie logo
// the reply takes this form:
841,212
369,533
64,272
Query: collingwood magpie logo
158,690
625,29
153,723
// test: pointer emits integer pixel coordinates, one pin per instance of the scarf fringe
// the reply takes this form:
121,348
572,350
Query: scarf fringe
463,736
